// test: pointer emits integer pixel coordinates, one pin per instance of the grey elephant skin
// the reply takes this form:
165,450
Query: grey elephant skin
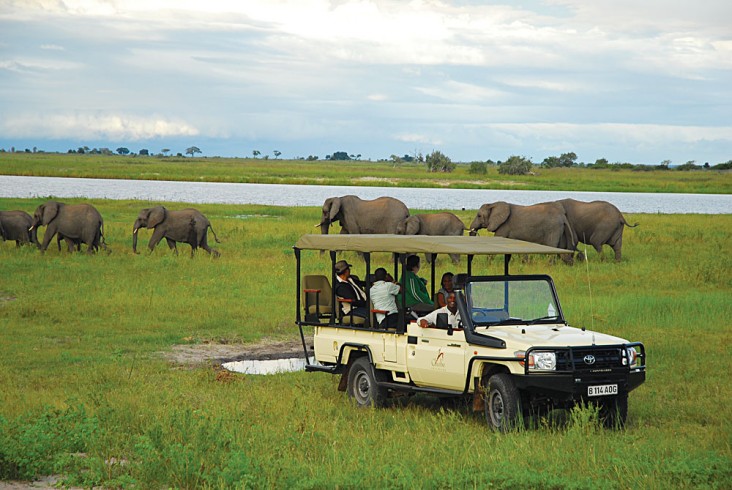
185,226
76,223
444,224
545,223
358,216
596,223
15,225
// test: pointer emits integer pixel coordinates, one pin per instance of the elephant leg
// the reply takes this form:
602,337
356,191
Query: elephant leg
211,251
172,245
47,237
155,239
455,258
617,247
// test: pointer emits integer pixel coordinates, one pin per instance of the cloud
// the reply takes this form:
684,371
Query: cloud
94,127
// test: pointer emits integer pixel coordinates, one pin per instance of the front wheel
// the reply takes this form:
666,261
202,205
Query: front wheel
362,385
503,403
614,412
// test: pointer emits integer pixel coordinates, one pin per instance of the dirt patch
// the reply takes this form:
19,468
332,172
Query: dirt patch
5,298
193,355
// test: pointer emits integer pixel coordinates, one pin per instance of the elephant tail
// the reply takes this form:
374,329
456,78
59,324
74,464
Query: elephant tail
629,225
569,237
214,233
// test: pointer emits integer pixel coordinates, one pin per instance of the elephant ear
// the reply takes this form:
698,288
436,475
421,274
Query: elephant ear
413,225
499,213
49,211
335,208
157,215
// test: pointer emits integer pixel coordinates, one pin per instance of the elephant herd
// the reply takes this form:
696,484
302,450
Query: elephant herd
560,224
82,224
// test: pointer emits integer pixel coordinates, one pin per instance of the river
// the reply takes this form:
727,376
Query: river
314,195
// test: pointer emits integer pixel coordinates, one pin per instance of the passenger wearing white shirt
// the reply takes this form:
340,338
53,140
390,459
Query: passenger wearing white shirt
383,297
453,315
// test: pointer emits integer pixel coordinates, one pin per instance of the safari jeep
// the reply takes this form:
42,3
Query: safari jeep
513,352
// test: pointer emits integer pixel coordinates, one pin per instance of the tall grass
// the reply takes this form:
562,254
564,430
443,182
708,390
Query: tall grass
86,392
361,173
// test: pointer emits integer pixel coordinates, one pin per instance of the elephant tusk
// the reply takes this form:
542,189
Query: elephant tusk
31,228
318,225
134,232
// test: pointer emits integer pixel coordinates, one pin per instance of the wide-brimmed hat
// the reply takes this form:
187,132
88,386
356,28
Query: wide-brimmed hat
341,266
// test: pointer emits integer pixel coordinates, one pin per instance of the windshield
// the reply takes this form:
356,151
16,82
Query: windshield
512,300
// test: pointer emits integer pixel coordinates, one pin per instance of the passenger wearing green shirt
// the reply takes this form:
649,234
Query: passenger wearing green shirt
416,296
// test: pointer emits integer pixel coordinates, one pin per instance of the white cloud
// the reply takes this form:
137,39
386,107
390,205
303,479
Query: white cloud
418,138
616,133
94,127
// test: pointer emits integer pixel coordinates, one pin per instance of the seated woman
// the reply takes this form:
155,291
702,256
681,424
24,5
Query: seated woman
415,288
445,290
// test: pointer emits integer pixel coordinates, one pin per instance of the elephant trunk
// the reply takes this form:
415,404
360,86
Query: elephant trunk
324,226
33,232
134,239
475,226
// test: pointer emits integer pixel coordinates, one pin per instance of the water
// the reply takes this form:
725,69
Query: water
270,366
314,195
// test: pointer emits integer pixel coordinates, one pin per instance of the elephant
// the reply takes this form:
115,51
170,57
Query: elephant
544,223
75,223
186,226
446,224
15,225
356,216
596,223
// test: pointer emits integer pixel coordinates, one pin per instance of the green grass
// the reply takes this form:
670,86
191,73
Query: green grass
86,392
361,173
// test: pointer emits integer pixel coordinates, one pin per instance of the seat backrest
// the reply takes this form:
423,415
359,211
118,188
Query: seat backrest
459,280
325,296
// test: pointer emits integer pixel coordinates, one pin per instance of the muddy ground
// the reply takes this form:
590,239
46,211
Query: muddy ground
218,352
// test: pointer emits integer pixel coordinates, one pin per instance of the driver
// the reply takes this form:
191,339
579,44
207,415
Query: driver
453,315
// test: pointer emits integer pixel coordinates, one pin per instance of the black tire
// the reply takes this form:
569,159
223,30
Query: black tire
503,403
614,412
362,385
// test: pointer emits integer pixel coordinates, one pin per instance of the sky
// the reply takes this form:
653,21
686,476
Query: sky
628,81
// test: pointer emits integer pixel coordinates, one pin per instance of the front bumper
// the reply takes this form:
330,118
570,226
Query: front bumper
566,387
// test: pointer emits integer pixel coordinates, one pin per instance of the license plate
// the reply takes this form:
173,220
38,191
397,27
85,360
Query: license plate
602,390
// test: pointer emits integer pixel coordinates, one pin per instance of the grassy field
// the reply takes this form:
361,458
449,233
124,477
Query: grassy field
382,174
88,394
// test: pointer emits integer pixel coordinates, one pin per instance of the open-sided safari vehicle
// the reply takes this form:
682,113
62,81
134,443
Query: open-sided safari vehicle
513,351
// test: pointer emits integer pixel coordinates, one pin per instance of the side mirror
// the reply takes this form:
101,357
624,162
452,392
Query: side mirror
443,323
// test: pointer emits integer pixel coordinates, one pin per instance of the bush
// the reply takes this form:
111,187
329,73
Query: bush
516,165
439,162
478,168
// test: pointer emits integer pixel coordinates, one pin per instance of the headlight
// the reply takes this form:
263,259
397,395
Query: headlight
631,357
539,360
544,361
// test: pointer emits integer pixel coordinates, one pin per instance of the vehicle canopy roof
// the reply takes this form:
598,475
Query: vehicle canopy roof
404,244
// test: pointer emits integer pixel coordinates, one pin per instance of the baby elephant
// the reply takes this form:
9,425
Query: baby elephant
185,226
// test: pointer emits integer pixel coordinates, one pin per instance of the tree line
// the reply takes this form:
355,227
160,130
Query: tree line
436,161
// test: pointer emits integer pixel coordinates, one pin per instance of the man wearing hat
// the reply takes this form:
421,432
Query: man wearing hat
347,288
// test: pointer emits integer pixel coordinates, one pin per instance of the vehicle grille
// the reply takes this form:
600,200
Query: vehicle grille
578,359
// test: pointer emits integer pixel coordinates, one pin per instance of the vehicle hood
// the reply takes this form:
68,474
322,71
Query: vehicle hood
525,336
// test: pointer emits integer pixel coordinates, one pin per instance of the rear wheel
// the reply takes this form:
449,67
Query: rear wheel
503,403
362,385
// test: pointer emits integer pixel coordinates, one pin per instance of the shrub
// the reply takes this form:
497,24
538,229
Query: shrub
439,162
478,168
516,165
